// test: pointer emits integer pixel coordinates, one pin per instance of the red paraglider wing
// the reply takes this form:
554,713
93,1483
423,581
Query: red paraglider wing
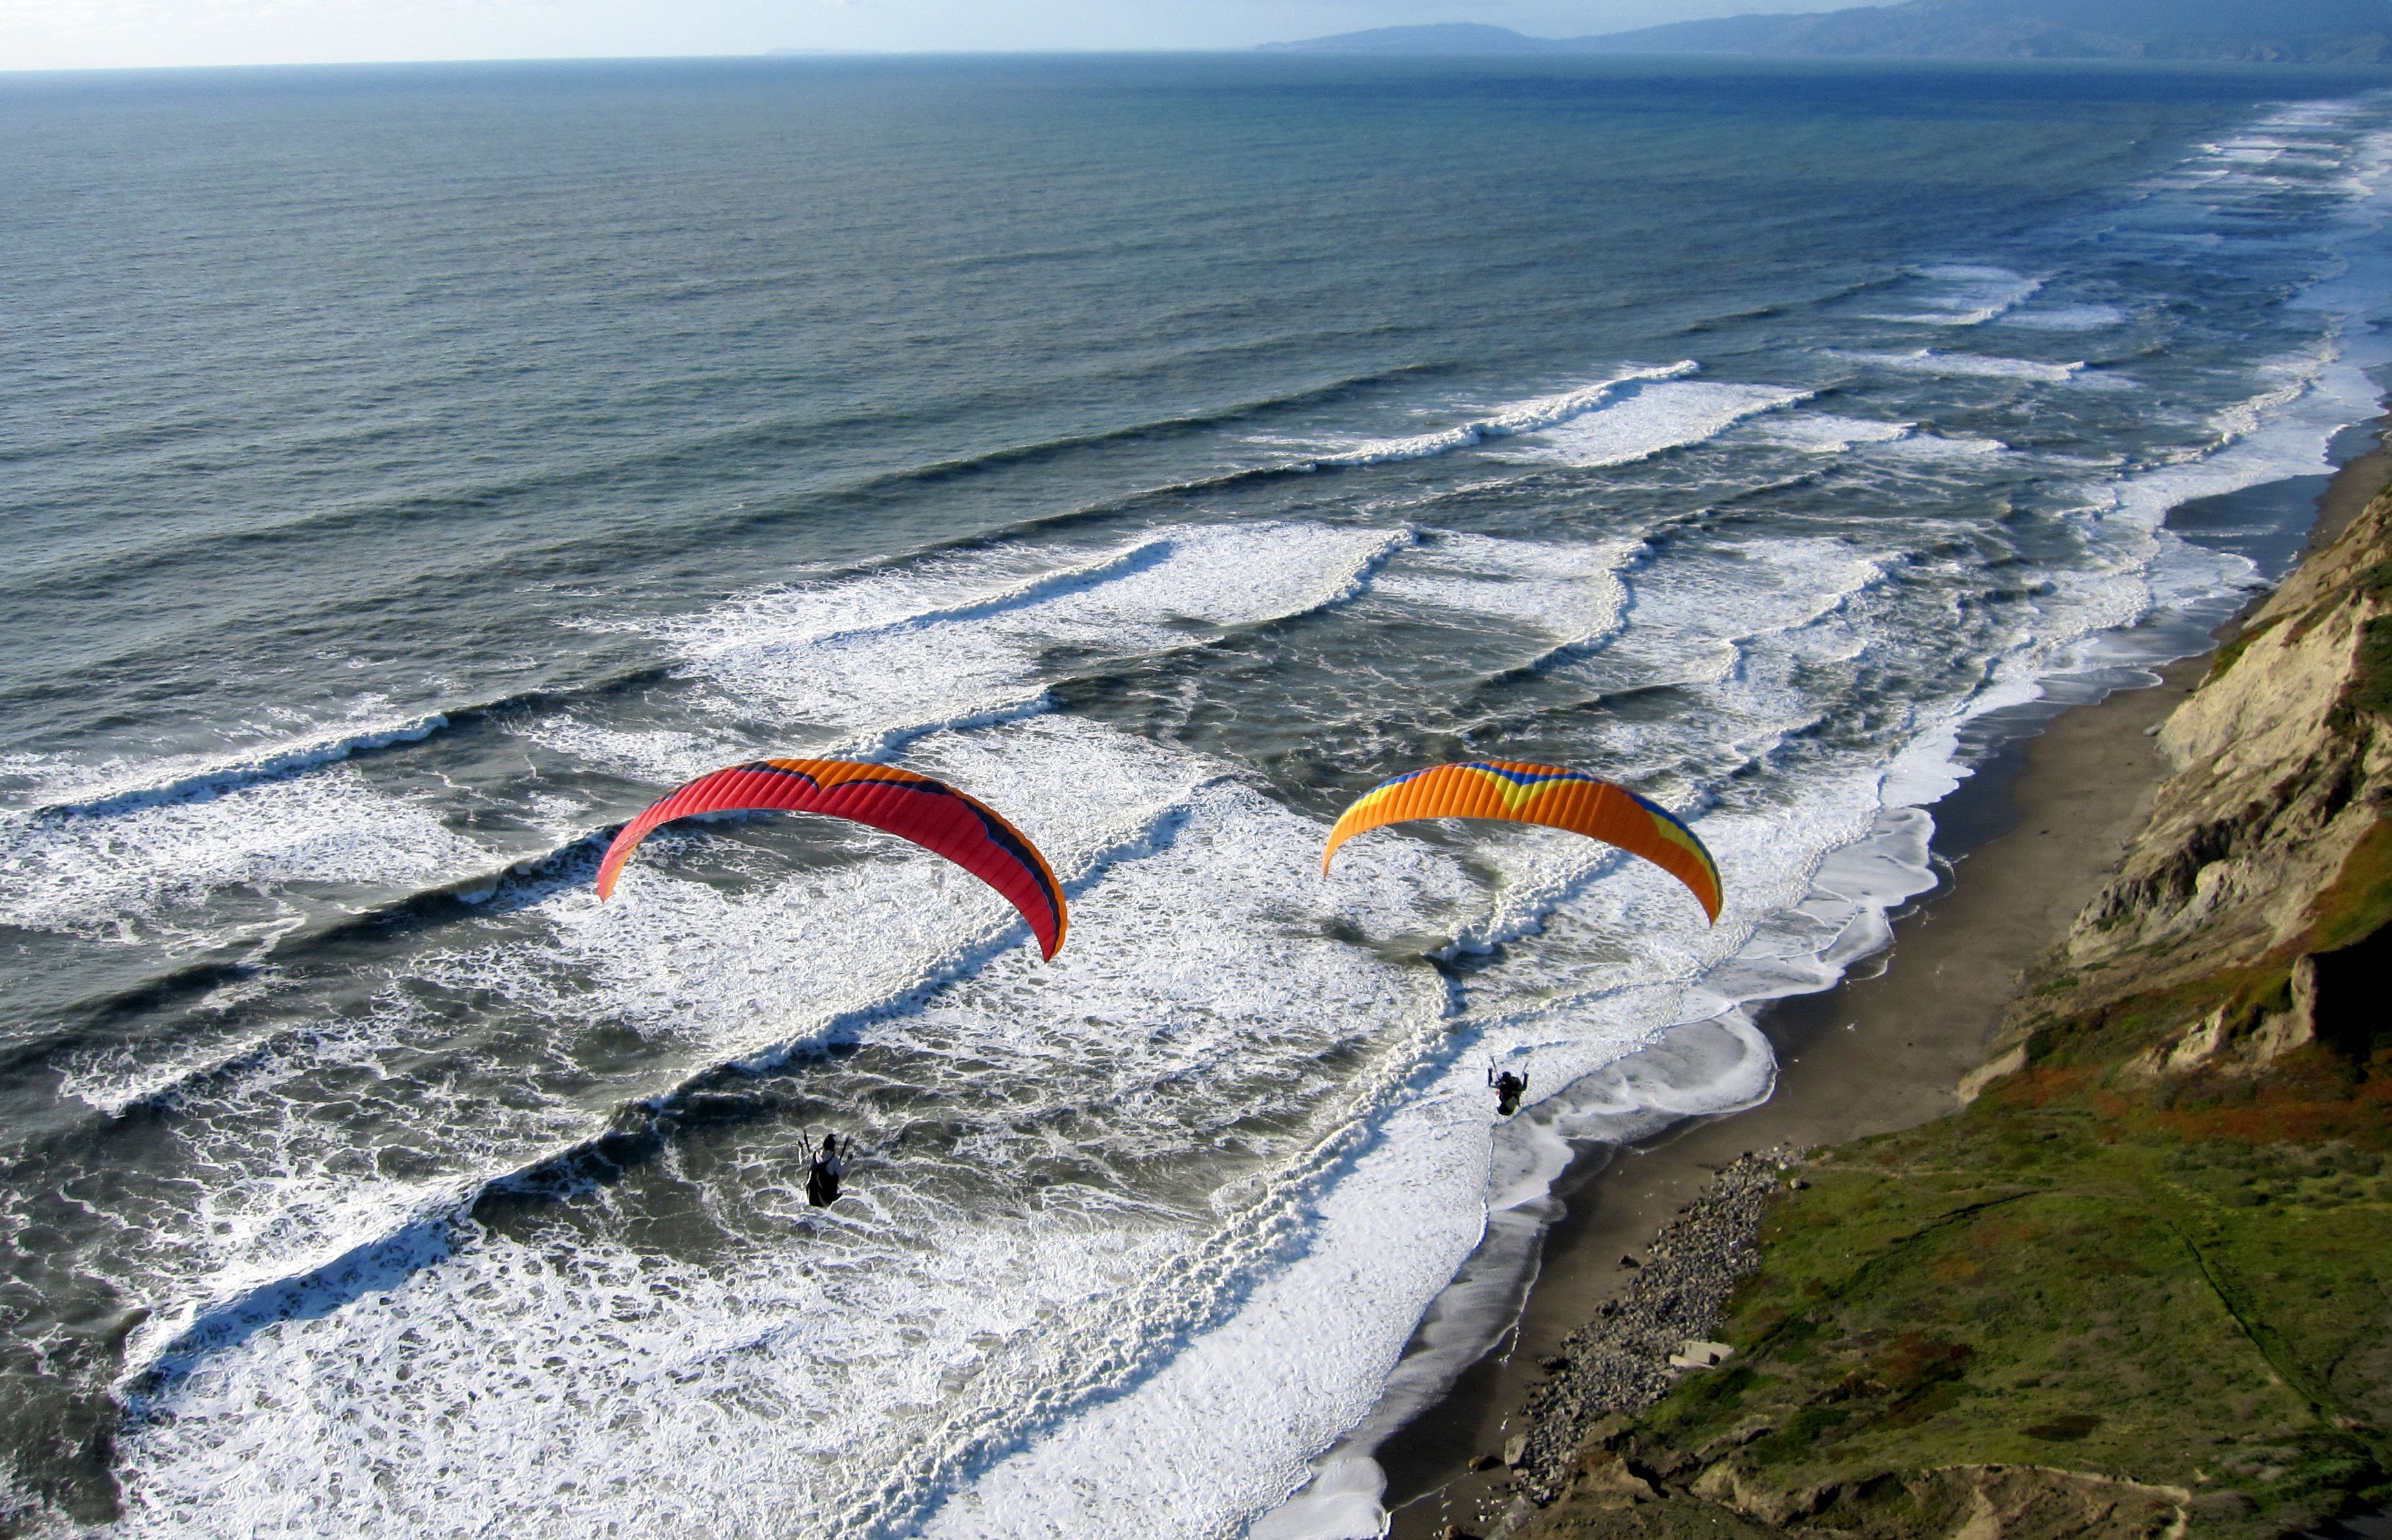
930,812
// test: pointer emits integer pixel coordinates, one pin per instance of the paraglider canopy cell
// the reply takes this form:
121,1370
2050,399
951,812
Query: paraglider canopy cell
1546,794
930,813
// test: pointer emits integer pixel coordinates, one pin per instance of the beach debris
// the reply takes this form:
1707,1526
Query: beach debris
930,813
1509,792
1696,1354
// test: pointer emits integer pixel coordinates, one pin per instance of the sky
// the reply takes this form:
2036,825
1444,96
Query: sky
72,34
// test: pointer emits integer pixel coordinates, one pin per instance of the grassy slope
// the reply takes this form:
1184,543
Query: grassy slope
2184,1290
2062,1277
2177,1279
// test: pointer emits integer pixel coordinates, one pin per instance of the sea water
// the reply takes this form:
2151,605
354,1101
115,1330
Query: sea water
410,473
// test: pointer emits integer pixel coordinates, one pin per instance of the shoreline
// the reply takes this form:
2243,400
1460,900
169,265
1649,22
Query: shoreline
2024,845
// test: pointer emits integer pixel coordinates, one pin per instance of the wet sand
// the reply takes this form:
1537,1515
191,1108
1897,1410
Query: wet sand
2030,839
2353,488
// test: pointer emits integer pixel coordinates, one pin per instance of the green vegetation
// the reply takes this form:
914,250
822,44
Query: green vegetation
2182,1280
2371,686
2359,902
2187,1288
2226,656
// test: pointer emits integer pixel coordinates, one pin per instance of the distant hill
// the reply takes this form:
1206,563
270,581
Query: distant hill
1446,37
1449,37
2335,32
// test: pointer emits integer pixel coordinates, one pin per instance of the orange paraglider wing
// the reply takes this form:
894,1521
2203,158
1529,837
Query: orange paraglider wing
930,813
1538,794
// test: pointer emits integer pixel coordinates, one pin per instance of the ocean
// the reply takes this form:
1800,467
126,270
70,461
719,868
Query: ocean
410,473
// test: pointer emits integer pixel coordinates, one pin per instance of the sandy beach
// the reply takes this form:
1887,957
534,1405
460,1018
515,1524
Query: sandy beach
2029,840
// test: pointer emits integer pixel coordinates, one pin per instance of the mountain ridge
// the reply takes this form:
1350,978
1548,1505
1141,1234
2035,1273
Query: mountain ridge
2308,32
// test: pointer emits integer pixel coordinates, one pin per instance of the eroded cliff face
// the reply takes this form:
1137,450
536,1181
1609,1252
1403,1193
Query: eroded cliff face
2260,879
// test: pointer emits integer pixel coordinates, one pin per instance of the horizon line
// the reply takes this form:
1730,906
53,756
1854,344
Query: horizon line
1240,50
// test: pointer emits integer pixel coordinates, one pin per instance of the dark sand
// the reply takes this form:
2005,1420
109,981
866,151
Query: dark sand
2353,488
2041,826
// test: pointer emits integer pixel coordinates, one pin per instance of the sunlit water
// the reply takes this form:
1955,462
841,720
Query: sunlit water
410,473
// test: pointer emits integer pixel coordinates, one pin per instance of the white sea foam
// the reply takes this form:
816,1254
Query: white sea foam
1645,420
709,977
2136,565
870,653
2292,378
2280,431
135,869
567,1326
663,755
1936,446
1824,433
64,788
1927,360
1708,1067
2066,318
1534,415
1572,592
723,1389
1961,294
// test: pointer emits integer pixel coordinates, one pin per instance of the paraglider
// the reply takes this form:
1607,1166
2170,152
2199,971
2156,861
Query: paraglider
1508,1089
930,813
825,1168
1538,794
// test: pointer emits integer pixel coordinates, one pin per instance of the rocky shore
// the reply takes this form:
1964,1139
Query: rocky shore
1628,1356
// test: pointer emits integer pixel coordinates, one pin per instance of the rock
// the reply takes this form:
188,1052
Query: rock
1694,1353
2006,1500
2197,1047
1619,1362
1730,1486
2224,1505
1515,1449
1626,1260
1736,1438
1484,1462
1973,1084
1553,1365
1604,1479
2279,1035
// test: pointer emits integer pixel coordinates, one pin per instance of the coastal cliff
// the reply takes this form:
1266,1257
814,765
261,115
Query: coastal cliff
2142,1282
